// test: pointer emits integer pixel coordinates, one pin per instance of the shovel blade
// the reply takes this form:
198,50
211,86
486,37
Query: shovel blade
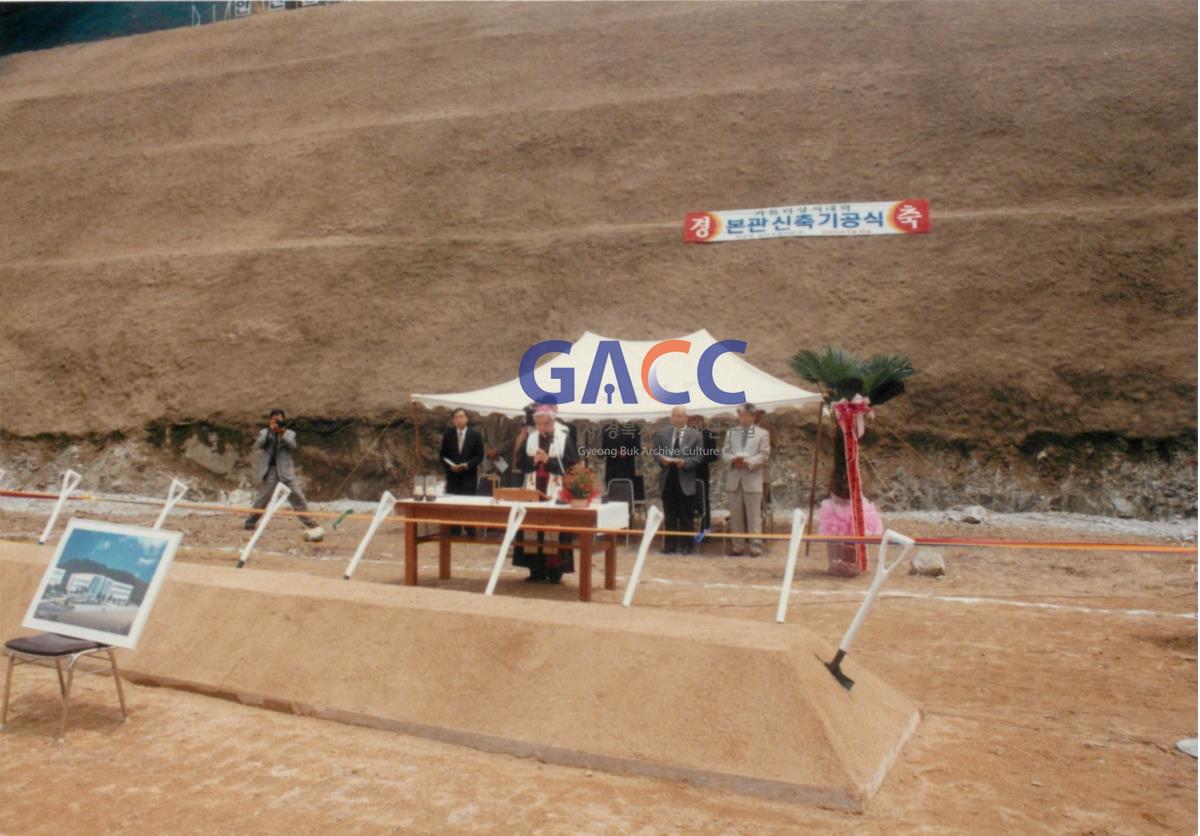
835,668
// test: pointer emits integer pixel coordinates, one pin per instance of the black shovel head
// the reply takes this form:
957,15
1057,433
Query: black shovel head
835,668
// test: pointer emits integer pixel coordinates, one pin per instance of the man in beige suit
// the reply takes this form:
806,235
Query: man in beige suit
747,448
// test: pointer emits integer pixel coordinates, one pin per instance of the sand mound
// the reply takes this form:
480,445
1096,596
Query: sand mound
717,702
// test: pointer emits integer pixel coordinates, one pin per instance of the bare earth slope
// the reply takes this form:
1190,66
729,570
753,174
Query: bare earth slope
335,207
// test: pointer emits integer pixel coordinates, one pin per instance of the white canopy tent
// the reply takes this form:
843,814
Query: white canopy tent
675,371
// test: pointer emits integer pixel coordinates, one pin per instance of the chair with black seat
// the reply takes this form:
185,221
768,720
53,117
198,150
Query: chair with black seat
621,490
45,647
639,494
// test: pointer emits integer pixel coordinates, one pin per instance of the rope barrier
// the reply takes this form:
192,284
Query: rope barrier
191,506
932,541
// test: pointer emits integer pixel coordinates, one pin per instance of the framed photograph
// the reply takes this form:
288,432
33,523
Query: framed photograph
102,582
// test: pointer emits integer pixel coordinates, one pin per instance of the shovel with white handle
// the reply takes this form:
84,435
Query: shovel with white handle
882,570
654,518
515,515
70,482
174,494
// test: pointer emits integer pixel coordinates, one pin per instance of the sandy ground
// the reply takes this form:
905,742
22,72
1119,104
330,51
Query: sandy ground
1051,705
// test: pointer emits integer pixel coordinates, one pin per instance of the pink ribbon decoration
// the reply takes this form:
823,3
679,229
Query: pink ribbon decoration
859,407
851,417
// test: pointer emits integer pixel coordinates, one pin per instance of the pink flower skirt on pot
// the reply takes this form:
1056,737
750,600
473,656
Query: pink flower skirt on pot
834,519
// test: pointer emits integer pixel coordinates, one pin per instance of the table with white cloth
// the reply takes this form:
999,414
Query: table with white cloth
445,512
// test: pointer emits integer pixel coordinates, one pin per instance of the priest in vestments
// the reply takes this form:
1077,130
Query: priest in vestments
549,451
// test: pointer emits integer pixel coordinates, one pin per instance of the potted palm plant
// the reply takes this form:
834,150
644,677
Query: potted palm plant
851,387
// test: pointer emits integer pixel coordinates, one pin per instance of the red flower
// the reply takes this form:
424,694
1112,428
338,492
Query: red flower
579,483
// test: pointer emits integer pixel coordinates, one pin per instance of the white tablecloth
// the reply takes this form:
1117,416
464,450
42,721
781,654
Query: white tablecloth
608,514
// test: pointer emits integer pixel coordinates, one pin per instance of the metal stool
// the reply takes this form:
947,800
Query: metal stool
44,646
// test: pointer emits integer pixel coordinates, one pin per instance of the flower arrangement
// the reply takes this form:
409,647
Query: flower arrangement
579,485
834,517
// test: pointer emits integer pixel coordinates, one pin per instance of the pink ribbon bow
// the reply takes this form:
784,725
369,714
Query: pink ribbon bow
858,407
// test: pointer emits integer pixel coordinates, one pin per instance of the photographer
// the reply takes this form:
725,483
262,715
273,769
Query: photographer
277,444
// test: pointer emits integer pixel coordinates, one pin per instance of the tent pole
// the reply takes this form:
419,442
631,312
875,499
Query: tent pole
416,419
812,488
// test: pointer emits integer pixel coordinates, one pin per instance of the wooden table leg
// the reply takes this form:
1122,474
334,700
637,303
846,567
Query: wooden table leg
444,552
610,562
410,554
585,567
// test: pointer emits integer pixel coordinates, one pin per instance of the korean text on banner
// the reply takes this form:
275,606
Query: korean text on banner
898,217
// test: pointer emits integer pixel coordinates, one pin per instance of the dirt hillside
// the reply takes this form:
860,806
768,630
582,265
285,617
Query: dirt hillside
335,207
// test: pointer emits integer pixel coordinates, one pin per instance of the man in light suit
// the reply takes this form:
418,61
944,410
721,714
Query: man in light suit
277,443
460,455
677,451
747,448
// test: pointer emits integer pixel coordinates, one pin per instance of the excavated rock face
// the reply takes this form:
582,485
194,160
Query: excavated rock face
359,460
333,209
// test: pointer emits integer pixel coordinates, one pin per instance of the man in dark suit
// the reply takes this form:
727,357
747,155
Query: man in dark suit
461,453
709,453
677,451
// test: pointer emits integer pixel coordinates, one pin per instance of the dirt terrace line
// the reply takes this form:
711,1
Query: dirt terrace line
337,127
579,231
239,70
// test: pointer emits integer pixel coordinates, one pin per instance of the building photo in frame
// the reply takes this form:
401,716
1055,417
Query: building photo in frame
102,582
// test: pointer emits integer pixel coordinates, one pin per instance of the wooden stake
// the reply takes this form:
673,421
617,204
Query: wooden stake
812,489
418,465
